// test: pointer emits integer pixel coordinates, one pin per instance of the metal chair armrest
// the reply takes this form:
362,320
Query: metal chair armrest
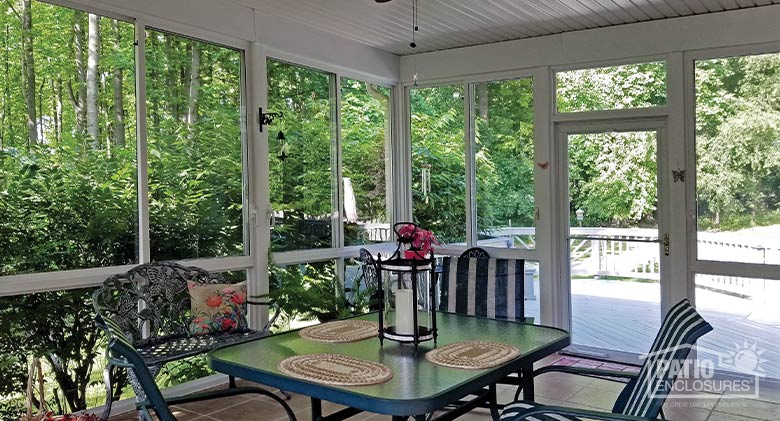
580,413
608,375
272,305
611,375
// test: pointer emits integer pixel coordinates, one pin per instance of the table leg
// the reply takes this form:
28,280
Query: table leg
493,402
528,388
316,409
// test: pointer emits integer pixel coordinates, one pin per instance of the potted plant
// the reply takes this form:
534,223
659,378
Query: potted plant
418,240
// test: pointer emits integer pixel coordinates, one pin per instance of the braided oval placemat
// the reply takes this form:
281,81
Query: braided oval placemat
341,331
472,355
334,369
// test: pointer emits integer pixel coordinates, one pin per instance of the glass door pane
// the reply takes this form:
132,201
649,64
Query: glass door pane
613,238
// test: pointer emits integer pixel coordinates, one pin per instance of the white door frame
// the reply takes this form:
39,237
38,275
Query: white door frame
561,216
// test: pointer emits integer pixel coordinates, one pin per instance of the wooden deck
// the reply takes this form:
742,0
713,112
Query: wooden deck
625,316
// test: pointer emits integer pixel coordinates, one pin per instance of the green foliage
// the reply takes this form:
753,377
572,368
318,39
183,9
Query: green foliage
69,200
738,141
438,149
308,292
613,87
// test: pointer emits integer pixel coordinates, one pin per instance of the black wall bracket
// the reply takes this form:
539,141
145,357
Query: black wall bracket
267,118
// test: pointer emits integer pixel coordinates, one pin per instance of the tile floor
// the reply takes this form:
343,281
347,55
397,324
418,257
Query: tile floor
551,389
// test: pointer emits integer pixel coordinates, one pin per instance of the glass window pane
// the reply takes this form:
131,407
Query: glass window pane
505,163
301,160
612,88
307,293
195,148
743,313
439,161
68,197
738,159
365,131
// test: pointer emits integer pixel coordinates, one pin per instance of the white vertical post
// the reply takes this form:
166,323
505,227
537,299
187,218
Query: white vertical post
551,243
676,281
144,253
337,219
402,156
142,163
260,205
470,170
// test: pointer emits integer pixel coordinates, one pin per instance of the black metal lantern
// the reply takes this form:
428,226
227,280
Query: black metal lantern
407,285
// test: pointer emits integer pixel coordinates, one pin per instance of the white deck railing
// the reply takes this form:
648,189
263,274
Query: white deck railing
635,252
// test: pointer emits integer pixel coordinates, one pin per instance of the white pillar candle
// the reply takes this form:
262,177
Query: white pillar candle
404,312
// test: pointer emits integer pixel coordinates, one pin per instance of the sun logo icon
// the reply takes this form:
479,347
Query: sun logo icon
745,359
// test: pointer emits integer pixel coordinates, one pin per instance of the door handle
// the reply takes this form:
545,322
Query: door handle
666,244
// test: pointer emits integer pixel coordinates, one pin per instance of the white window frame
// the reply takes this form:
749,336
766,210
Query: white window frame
713,267
338,252
92,277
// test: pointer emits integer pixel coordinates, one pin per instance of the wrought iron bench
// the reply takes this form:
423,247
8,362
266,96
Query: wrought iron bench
151,304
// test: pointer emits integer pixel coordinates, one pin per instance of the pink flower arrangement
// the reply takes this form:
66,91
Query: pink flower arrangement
420,240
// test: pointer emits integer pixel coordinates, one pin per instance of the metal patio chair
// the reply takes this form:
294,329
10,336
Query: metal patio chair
644,395
121,353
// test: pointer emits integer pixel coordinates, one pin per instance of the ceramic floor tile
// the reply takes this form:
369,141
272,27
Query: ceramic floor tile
559,386
593,397
610,386
252,409
683,412
722,416
213,405
749,408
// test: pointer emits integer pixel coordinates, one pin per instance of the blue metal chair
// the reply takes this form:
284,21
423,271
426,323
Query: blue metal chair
645,393
121,353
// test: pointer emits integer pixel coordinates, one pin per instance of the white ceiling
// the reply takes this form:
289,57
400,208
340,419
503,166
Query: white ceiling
457,23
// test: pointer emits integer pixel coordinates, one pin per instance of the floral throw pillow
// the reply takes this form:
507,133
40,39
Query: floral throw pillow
217,308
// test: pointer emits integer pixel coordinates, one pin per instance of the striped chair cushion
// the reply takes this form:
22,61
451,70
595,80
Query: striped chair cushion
483,287
645,395
515,410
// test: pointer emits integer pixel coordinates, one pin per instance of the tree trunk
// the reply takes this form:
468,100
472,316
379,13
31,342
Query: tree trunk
28,72
58,110
119,107
41,134
6,88
482,95
170,77
194,86
93,60
79,98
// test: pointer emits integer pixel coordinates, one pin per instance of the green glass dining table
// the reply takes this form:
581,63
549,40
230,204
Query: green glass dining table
418,387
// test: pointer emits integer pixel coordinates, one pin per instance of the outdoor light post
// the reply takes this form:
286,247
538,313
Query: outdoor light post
580,216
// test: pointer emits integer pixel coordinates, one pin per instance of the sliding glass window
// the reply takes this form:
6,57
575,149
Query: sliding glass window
68,197
439,161
504,158
365,145
301,157
738,159
195,148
